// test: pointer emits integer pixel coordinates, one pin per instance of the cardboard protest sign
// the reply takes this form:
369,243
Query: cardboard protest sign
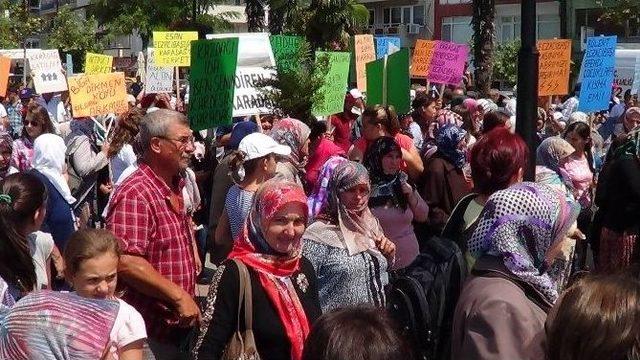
364,52
553,67
447,63
335,83
598,69
254,49
421,60
397,81
5,68
248,100
157,79
98,94
97,64
173,48
47,71
636,77
212,82
384,43
285,49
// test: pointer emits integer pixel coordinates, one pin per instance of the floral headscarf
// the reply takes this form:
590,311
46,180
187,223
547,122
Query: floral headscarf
551,151
384,188
445,117
320,195
520,224
447,141
293,133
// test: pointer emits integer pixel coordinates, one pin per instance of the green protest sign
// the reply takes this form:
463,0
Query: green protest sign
396,78
335,83
212,82
285,48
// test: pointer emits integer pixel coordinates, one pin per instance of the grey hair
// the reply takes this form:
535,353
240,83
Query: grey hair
157,124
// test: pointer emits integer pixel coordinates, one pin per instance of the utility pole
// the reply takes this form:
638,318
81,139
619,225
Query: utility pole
25,8
527,101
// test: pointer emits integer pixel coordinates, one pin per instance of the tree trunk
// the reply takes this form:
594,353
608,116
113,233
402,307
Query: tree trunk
483,21
255,15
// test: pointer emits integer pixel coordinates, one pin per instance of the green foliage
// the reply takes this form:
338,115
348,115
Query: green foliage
70,32
621,12
331,22
294,92
505,62
17,24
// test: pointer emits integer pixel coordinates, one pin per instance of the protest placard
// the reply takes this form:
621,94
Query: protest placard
98,94
397,81
364,52
385,45
158,79
598,69
421,60
335,83
173,48
447,63
212,82
97,64
46,70
5,68
254,49
285,49
553,67
636,77
69,64
248,99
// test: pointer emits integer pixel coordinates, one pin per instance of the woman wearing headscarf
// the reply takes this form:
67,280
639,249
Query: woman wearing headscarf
549,155
295,134
36,122
283,283
319,197
444,182
48,164
6,149
393,200
346,244
522,245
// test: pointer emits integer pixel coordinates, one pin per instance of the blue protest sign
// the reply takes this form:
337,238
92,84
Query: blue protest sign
382,45
598,70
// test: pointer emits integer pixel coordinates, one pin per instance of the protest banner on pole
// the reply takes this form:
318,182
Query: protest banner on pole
422,54
173,48
158,79
285,49
553,67
212,82
47,73
97,64
69,65
248,100
364,52
5,69
98,94
398,84
447,63
383,43
335,83
598,69
636,77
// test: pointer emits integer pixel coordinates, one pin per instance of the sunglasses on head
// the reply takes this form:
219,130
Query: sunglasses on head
33,123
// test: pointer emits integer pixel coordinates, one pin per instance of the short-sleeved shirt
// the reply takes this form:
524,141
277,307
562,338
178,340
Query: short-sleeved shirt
238,204
146,223
342,131
128,328
404,141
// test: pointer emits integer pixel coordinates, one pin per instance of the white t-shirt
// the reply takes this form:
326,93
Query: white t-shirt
40,246
3,111
128,327
55,108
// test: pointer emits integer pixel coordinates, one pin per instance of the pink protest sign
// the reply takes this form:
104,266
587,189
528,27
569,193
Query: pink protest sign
447,63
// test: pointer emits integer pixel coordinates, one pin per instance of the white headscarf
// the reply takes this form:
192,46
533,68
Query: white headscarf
49,159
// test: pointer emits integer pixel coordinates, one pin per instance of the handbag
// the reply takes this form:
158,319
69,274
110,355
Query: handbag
242,345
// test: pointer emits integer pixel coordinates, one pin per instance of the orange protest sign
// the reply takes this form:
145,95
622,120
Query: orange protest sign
365,52
422,54
553,67
98,94
5,67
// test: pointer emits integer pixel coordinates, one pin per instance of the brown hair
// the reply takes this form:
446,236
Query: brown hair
597,318
86,244
39,113
384,115
238,160
127,128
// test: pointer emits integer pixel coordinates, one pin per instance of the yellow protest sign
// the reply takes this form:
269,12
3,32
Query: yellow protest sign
365,52
173,48
553,67
97,64
422,54
97,94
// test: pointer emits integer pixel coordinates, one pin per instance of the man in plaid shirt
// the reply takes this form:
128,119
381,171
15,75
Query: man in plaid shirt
158,266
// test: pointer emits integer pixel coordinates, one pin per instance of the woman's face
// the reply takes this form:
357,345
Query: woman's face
578,142
5,158
391,163
97,277
431,110
284,231
632,121
370,130
271,165
34,128
355,198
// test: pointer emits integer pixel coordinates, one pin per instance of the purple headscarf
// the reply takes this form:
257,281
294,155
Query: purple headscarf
320,196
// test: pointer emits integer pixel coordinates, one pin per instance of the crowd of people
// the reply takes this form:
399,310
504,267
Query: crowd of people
109,226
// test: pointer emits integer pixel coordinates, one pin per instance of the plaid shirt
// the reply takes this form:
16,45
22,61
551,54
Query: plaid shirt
15,118
149,225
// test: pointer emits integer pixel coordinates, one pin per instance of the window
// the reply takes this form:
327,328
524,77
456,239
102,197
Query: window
404,15
448,2
510,28
457,29
418,15
548,26
372,17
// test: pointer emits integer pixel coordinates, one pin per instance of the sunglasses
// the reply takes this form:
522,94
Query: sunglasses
32,122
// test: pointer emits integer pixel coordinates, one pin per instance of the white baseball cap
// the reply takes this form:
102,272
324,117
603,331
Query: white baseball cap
257,145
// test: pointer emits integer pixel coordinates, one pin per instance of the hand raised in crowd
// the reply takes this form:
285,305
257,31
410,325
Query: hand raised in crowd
187,311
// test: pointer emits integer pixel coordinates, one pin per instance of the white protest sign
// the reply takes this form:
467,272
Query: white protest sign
158,79
254,49
47,73
248,100
636,77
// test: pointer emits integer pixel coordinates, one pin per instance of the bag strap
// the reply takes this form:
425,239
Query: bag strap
245,289
242,273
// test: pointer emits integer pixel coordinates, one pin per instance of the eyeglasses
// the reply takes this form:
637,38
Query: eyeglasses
32,122
184,141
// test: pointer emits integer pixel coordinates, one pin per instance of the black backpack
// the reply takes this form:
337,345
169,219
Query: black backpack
423,297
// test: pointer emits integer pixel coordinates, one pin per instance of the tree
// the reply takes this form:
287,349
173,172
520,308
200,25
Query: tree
505,62
622,12
484,30
17,24
332,21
